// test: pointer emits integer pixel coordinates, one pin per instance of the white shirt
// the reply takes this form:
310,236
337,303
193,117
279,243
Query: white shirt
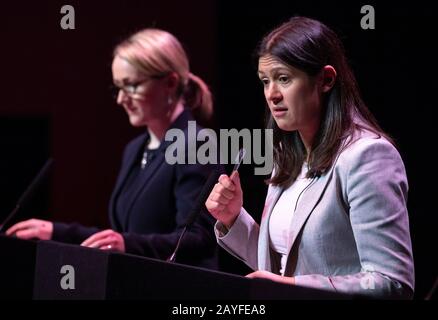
154,142
282,214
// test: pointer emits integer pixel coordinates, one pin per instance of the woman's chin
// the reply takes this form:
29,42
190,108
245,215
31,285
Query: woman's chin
283,125
136,121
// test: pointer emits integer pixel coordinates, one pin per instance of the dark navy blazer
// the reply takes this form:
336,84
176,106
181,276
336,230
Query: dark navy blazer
158,207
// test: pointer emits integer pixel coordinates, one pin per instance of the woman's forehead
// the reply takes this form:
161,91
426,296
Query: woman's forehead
121,68
269,63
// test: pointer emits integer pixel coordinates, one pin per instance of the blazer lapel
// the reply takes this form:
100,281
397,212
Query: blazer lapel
310,198
131,156
146,175
130,162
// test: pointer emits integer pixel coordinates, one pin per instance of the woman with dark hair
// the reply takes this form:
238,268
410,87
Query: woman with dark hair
152,199
335,216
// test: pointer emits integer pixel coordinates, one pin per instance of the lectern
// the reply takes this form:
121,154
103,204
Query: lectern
41,270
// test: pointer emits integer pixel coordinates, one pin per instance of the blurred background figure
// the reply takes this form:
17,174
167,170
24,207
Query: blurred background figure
151,199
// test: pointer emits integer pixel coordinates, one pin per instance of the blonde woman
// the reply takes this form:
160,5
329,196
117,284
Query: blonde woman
151,199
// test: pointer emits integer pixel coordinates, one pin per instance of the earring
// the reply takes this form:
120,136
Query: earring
169,100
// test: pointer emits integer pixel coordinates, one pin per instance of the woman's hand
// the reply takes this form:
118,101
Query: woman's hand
32,229
271,276
106,240
226,199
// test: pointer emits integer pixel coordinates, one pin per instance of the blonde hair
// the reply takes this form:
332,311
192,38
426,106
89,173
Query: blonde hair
156,53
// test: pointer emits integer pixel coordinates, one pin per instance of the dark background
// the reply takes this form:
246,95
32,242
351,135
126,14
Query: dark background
55,99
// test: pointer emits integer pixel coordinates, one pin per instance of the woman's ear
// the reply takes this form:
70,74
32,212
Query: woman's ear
328,78
172,81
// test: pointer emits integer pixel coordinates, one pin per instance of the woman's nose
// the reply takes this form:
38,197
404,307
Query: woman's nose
273,94
121,96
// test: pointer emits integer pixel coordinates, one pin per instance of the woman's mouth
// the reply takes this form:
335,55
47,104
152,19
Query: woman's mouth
279,112
130,108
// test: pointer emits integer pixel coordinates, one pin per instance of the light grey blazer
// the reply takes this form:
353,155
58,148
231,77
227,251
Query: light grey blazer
350,230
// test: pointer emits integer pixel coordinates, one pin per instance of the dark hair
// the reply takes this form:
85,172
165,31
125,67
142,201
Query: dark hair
309,45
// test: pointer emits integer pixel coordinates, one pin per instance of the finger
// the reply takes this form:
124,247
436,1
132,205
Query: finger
18,226
98,243
106,247
89,240
92,239
255,274
216,207
212,204
225,192
97,236
217,197
209,204
226,182
235,177
26,234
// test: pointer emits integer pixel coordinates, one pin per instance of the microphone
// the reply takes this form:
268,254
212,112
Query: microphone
196,209
29,192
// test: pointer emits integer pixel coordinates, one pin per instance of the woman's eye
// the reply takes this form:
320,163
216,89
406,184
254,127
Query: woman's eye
264,81
283,79
130,87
